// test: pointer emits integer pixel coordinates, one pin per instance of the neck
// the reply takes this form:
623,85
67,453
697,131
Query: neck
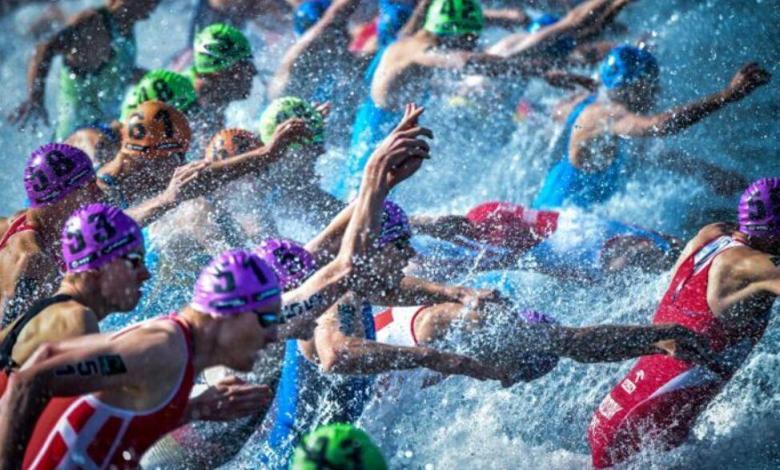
75,288
204,336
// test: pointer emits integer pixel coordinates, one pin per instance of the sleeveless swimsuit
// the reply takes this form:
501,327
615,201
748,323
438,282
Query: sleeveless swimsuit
566,184
87,433
18,225
306,398
395,325
96,97
658,401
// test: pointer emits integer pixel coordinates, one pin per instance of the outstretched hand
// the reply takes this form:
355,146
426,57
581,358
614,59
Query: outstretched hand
185,184
746,80
28,114
402,152
231,398
290,131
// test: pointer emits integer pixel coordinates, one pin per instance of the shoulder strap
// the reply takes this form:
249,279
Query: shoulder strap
573,116
7,346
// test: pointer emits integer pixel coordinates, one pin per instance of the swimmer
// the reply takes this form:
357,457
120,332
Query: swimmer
447,41
222,72
299,182
567,244
341,446
309,291
99,53
119,378
723,287
58,179
593,161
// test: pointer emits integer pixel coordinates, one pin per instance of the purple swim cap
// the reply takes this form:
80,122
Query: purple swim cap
759,209
96,235
53,171
536,365
236,281
395,224
289,260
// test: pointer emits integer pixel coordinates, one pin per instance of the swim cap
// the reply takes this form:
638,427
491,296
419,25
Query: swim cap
505,224
55,170
237,281
759,209
308,14
155,129
161,85
289,260
338,446
395,224
625,65
231,142
542,21
96,235
393,15
218,47
288,107
454,17
536,365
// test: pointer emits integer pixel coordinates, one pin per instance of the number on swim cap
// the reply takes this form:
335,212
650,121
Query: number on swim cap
105,230
229,282
241,143
162,115
60,164
78,237
137,130
774,196
164,92
759,208
42,182
258,272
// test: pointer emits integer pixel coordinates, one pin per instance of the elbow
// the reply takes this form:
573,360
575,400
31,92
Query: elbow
334,359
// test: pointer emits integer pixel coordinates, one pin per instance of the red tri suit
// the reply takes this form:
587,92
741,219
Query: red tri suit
84,432
19,224
657,403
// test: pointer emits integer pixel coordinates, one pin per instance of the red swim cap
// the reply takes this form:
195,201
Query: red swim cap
510,225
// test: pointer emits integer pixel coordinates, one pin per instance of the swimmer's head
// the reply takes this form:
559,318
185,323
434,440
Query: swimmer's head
241,290
392,17
291,262
156,130
759,213
223,65
55,171
228,143
161,85
289,107
341,446
532,366
631,75
511,225
218,47
308,14
394,250
105,242
100,142
458,22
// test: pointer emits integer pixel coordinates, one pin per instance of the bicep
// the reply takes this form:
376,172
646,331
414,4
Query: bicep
635,125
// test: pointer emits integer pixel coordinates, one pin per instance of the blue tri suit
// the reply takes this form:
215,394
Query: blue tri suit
567,185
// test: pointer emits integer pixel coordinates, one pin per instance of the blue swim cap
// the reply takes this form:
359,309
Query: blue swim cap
626,64
393,15
307,14
541,21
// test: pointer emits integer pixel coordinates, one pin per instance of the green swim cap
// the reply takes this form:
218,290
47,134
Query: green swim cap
160,85
454,17
218,47
282,109
338,446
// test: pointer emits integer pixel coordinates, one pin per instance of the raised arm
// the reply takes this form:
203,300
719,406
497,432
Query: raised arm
746,80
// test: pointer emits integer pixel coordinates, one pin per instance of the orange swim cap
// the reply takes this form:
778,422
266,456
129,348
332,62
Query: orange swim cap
155,129
231,142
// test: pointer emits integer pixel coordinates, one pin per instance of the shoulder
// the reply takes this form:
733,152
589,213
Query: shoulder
749,264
